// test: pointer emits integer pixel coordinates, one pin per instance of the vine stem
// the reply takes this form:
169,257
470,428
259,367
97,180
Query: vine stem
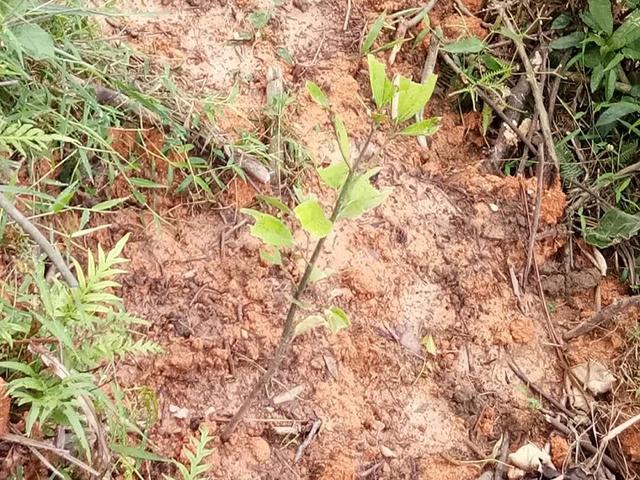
288,330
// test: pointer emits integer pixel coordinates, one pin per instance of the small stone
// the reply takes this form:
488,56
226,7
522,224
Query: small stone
260,449
244,334
179,412
493,207
387,452
515,473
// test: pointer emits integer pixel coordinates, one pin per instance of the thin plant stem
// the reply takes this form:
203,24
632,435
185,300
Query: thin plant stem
288,330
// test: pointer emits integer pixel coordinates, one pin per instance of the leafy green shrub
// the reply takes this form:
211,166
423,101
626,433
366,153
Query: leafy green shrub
87,327
598,155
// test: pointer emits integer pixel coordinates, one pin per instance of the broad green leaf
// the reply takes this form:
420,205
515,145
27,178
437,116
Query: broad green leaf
362,196
596,77
309,323
311,216
76,427
19,367
600,11
465,45
34,41
569,41
429,345
334,175
378,80
343,139
561,21
271,255
425,127
269,229
610,86
317,94
627,33
336,319
614,226
373,33
412,97
617,111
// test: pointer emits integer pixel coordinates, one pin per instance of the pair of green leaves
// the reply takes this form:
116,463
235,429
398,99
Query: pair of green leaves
275,234
405,96
334,319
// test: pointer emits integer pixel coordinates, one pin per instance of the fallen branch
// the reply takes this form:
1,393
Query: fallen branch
288,330
502,465
485,98
535,88
536,214
347,16
307,441
405,25
427,71
516,103
602,316
31,230
62,453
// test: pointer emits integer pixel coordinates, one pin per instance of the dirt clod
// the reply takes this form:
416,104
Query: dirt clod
560,450
260,449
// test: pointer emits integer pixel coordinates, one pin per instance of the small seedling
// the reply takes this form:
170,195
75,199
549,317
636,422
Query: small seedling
395,104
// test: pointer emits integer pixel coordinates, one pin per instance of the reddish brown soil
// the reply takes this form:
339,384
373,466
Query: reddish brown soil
434,259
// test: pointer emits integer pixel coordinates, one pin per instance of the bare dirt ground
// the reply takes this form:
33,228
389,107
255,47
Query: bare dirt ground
434,259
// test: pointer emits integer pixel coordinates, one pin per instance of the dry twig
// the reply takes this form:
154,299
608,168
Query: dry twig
535,88
602,316
405,25
536,214
40,239
485,98
307,441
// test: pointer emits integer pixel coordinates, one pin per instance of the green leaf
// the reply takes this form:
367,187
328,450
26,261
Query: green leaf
311,216
259,18
373,33
309,323
429,345
269,229
378,81
274,202
412,97
334,175
596,77
138,453
425,127
318,275
627,33
317,94
343,139
34,41
108,204
145,183
465,45
62,201
271,255
569,41
284,54
336,319
600,11
616,111
561,21
610,86
362,196
614,226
